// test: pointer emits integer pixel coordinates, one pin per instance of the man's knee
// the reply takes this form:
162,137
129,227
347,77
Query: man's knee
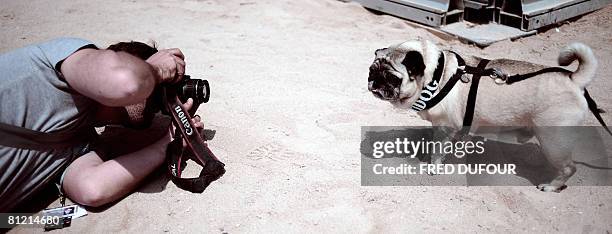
80,183
86,192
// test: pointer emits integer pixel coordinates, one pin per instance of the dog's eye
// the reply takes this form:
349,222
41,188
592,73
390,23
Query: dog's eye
393,79
410,76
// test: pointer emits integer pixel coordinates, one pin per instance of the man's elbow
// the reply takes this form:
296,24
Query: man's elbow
130,87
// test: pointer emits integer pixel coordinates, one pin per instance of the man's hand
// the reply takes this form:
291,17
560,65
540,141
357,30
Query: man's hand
169,65
197,121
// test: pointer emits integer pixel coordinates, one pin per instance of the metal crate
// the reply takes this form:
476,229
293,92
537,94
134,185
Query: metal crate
529,15
526,15
429,12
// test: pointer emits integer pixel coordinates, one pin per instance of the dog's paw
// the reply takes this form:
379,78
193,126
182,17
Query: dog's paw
437,159
434,172
551,188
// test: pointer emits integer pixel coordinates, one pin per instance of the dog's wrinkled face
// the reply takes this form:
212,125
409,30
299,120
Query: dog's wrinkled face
396,75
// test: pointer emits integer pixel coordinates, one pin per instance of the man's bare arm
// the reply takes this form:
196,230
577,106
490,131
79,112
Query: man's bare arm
118,78
111,78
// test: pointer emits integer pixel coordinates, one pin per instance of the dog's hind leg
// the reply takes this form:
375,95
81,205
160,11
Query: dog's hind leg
557,145
524,135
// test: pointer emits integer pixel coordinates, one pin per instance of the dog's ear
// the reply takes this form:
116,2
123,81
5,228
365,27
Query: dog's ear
381,52
414,63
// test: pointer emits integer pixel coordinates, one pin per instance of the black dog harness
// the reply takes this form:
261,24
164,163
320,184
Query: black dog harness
429,98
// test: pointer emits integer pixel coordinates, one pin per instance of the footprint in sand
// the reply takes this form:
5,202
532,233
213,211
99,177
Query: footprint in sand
271,151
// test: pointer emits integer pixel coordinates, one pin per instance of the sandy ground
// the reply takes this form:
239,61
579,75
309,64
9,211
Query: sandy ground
289,94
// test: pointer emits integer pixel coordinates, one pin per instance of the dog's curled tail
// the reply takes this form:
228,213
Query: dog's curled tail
587,63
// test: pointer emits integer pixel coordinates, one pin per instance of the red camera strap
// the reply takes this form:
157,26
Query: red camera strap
212,168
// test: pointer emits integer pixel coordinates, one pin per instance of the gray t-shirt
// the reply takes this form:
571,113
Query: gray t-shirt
33,95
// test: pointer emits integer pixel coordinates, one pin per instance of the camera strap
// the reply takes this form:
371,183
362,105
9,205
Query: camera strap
197,149
24,138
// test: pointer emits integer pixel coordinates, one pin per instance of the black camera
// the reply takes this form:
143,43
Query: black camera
198,90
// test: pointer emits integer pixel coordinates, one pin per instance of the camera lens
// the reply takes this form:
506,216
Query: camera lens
196,89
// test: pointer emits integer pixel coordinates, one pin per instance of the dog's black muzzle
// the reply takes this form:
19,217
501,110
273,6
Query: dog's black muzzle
382,83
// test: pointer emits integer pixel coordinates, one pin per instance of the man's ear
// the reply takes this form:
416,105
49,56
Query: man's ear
381,52
413,61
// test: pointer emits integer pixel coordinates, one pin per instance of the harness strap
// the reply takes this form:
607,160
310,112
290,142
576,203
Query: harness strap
424,102
471,102
427,93
437,76
445,90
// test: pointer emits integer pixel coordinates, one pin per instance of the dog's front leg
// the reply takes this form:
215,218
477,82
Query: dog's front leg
440,135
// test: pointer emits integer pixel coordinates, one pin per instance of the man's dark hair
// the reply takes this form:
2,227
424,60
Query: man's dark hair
135,48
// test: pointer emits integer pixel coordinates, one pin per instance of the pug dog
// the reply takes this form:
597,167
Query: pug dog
401,72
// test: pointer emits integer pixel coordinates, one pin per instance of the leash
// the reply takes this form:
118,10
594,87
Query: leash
197,149
427,99
596,111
